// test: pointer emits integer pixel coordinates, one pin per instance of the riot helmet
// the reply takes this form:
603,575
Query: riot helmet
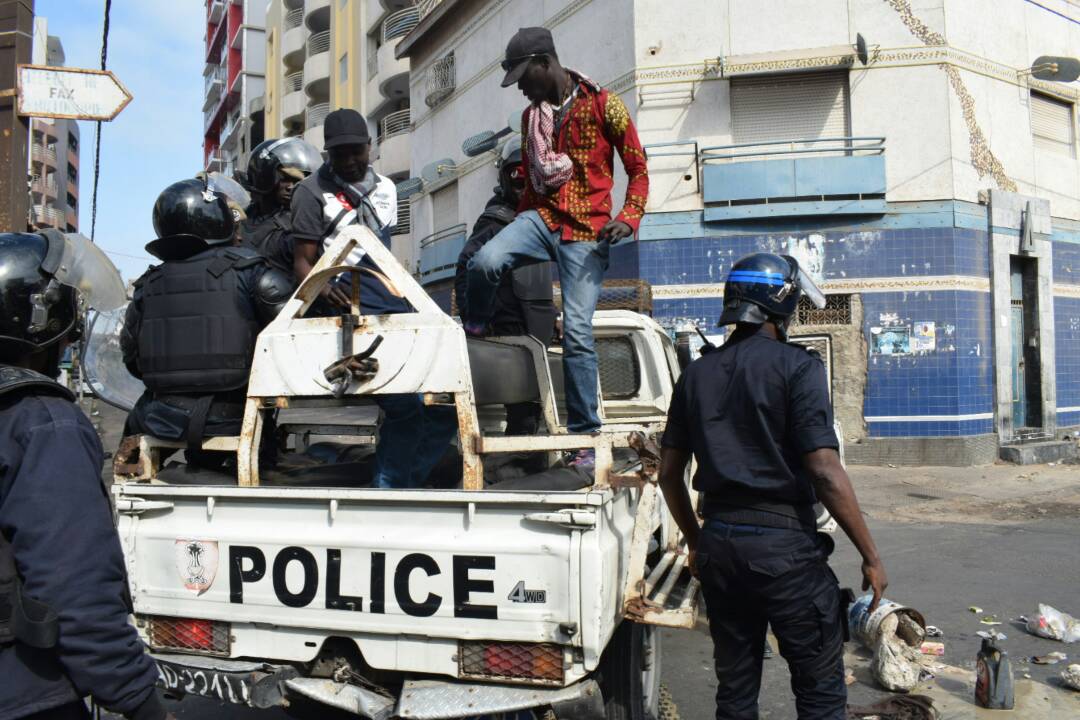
766,287
43,278
511,171
293,156
189,217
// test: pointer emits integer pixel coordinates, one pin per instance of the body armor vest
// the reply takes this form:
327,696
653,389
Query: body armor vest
22,618
195,337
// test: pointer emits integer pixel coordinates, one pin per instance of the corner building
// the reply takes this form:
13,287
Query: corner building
930,183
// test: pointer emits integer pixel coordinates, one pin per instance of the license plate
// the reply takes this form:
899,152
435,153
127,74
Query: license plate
230,687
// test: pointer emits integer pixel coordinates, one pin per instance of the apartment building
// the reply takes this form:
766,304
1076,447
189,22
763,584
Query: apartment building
54,151
234,76
329,54
903,151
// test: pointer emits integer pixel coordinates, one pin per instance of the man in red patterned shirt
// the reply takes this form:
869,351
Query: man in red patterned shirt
570,133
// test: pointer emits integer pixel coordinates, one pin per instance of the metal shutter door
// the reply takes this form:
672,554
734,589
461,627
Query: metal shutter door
790,107
444,207
1052,124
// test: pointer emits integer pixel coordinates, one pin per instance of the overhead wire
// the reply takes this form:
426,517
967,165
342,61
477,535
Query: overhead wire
97,134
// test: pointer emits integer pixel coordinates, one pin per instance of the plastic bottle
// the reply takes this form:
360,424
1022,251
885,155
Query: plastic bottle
993,677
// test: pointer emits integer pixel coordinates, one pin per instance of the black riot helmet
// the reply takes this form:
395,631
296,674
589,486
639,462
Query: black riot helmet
190,216
293,156
511,171
766,287
42,276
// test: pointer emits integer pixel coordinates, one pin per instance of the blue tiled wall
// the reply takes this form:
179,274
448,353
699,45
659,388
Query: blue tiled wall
1067,344
848,255
954,379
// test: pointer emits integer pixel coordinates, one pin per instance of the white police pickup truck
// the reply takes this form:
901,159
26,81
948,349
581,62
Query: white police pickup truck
512,591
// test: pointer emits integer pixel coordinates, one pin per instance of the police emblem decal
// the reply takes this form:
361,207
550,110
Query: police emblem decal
197,563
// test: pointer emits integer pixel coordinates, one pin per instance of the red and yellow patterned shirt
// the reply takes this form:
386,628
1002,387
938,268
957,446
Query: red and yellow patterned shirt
598,124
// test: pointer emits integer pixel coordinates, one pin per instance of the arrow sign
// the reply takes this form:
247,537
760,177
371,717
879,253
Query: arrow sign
74,93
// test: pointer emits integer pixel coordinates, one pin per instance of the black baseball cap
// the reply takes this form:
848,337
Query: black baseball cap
526,44
345,127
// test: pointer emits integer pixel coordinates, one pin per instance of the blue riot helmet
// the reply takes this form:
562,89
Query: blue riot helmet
766,287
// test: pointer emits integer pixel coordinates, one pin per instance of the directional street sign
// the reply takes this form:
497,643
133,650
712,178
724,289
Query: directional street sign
75,93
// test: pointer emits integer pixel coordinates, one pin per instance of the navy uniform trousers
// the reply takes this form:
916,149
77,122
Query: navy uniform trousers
753,577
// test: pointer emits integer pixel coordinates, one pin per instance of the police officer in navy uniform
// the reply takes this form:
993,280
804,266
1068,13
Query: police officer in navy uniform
275,168
756,415
189,333
524,300
64,603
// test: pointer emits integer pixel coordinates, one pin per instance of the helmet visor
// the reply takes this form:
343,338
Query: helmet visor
810,289
232,190
297,154
86,268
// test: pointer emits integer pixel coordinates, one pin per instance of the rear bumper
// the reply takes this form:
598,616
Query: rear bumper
240,682
264,685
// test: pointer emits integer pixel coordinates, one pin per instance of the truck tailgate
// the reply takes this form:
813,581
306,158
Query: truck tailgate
425,564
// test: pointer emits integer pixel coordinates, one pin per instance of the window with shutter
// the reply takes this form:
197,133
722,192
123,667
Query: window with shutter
805,106
1053,124
444,207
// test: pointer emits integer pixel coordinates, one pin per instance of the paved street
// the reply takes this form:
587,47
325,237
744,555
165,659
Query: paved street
999,537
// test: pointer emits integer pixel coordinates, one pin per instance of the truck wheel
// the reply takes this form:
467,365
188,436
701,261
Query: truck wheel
630,673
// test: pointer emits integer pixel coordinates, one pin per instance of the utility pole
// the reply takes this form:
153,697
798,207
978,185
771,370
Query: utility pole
16,42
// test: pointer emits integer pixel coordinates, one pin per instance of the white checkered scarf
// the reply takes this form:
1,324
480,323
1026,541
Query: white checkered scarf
548,170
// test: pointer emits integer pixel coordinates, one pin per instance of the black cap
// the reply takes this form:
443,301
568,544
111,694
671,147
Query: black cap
345,127
526,44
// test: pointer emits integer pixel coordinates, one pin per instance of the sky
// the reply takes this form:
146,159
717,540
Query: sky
156,50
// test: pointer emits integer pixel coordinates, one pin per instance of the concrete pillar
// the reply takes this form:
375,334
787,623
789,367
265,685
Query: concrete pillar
16,41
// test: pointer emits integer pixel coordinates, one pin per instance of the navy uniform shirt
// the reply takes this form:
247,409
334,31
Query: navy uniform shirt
749,411
56,515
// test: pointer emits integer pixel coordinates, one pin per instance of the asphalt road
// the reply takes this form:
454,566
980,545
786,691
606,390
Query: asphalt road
941,569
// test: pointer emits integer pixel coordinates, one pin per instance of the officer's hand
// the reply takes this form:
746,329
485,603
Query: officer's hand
874,577
615,231
337,296
691,562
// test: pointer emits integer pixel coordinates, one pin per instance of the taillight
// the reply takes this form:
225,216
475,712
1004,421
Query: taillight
173,633
523,662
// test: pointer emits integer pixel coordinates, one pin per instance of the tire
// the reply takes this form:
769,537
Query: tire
629,673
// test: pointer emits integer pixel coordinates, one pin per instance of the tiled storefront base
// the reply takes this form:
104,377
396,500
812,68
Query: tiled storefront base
948,451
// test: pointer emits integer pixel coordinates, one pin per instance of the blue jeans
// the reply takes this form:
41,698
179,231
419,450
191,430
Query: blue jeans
581,270
412,438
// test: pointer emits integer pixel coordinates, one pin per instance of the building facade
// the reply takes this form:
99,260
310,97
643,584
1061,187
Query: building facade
328,54
930,183
54,151
234,78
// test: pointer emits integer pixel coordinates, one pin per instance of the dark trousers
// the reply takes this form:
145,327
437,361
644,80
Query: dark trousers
71,711
753,577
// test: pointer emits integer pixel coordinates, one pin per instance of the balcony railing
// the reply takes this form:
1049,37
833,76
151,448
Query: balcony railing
216,76
442,79
318,43
439,253
294,18
789,178
396,123
426,6
45,185
404,218
316,115
45,215
400,23
294,82
44,154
